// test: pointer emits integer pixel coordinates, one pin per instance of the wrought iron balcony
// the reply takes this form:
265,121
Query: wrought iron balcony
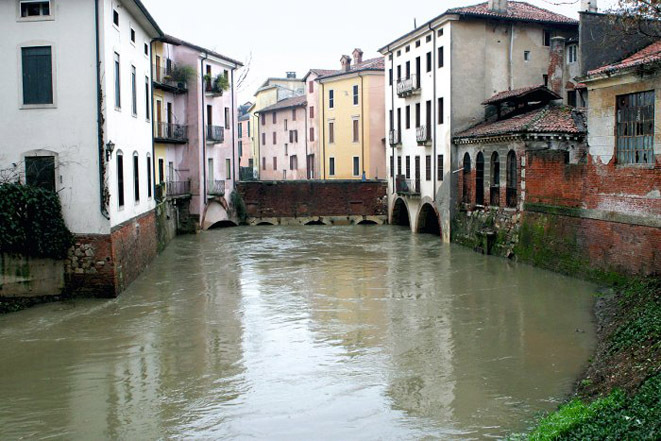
216,188
177,188
395,138
408,86
171,78
171,133
215,134
405,186
422,135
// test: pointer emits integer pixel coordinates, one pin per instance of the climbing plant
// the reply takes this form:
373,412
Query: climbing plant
31,222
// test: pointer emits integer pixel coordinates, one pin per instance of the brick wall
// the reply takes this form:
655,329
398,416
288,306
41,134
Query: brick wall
313,198
134,246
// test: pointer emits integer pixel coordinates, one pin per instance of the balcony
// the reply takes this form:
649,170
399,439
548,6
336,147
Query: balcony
167,133
407,187
216,188
215,134
408,86
395,138
174,189
422,135
172,78
247,174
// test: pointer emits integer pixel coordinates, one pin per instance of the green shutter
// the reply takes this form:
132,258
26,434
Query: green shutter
37,75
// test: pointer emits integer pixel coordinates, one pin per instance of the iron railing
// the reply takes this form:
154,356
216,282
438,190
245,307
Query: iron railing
511,197
395,138
215,134
247,174
177,188
407,186
216,188
494,196
172,132
407,86
170,76
422,135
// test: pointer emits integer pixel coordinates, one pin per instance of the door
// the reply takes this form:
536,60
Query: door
417,73
159,119
168,118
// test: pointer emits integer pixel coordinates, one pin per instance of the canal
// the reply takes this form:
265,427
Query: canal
325,333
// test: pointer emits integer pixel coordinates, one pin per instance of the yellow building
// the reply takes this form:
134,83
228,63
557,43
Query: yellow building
352,120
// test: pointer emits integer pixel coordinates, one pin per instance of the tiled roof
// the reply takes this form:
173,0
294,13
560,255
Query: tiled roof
651,54
178,41
296,101
515,11
547,119
371,64
533,93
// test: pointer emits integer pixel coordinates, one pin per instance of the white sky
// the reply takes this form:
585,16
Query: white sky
296,35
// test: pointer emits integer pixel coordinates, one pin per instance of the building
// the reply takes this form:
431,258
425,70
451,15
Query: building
349,108
435,88
314,157
246,160
77,120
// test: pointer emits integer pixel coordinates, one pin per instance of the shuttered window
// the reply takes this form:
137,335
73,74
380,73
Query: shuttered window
37,75
635,128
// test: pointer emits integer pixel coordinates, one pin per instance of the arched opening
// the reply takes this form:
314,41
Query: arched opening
400,214
264,224
512,178
494,188
316,222
479,179
428,221
223,224
466,179
367,222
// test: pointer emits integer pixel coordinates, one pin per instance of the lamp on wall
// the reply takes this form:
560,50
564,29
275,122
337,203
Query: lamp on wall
110,146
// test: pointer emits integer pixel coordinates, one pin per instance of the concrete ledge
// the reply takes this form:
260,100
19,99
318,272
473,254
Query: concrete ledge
22,276
606,216
318,220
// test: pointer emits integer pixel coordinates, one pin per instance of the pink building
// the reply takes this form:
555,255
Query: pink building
246,161
313,134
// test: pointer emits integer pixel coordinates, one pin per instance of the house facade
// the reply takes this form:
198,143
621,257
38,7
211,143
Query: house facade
435,88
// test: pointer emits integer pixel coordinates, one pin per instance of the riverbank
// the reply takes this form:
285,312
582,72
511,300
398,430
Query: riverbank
619,395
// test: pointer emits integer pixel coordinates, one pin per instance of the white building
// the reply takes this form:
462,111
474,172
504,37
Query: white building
437,76
76,117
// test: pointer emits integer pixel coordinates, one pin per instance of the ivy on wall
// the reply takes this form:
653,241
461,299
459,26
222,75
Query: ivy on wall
31,222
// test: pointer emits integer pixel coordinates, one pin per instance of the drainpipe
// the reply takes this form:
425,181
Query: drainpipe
99,108
511,56
203,194
323,127
153,123
392,98
307,166
233,133
362,125
434,118
259,147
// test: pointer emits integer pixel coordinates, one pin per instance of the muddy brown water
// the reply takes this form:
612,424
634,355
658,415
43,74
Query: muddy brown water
310,333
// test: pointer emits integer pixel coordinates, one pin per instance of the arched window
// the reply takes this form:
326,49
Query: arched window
512,178
467,179
149,176
494,193
479,179
136,177
120,179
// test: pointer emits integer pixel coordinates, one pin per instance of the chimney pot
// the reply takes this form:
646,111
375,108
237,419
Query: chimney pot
499,6
346,63
357,56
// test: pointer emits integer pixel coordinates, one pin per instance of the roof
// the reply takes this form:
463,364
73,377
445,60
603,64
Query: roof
524,94
651,54
319,72
546,119
516,11
148,16
297,101
244,117
373,64
177,41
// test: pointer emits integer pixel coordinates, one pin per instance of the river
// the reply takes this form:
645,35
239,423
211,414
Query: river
300,333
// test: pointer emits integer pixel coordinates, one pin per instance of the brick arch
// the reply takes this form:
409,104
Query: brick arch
401,215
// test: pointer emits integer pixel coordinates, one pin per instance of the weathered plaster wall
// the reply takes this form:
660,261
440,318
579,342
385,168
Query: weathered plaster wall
22,276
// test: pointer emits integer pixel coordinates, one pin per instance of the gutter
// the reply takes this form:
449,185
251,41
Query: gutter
99,107
204,135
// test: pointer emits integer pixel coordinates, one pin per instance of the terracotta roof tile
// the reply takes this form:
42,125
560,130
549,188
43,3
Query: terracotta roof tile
651,54
539,91
296,101
515,11
371,64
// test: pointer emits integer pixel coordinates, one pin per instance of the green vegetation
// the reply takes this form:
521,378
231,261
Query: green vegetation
219,84
31,222
641,300
239,207
182,73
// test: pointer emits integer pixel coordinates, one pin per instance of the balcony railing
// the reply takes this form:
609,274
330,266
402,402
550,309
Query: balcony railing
215,134
511,197
407,186
216,188
176,133
407,86
494,196
422,135
177,188
395,138
169,77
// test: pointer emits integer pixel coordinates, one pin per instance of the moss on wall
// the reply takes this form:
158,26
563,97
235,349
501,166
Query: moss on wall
489,231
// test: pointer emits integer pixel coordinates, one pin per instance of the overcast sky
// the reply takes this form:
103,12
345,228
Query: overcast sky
296,35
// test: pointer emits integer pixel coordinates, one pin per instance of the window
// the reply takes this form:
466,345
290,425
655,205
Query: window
148,176
227,118
311,133
331,132
331,99
408,167
293,162
31,8
115,17
417,115
547,38
240,149
118,96
228,169
161,170
399,73
136,178
571,98
440,32
291,136
512,179
392,166
263,119
635,128
428,39
408,48
441,62
526,56
37,75
120,179
275,163
356,166
331,166
240,131
428,168
390,77
466,179
572,53
440,111
146,49
417,43
399,52
429,62
263,138
417,174
310,86
40,172
494,190
408,117
545,79
408,70
479,179
356,130
399,165
275,118
311,112
293,114
274,138
439,168
147,98
226,73
134,92
248,124
132,35
355,95
263,163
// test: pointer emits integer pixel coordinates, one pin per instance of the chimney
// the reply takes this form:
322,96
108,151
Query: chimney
291,74
589,6
346,63
556,70
498,6
357,56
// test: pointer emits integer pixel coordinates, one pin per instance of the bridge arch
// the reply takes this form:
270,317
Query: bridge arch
400,213
215,213
429,221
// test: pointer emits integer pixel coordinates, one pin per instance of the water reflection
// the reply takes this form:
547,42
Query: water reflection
300,333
